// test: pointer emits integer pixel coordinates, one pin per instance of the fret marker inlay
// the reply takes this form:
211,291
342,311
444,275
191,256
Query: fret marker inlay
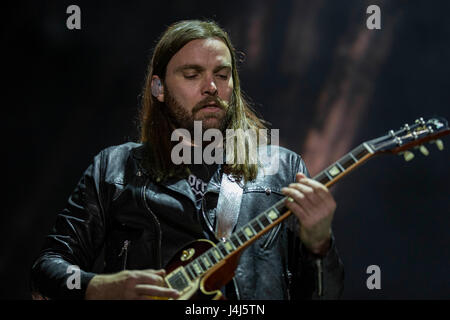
334,171
272,215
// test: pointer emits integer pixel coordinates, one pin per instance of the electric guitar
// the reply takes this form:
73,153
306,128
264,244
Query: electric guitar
202,267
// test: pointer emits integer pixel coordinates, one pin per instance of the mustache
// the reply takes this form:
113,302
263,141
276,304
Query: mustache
208,100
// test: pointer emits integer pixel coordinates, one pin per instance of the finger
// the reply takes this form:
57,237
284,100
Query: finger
320,191
320,188
298,210
160,272
313,206
314,196
300,175
156,291
148,277
323,192
307,190
298,198
295,194
302,187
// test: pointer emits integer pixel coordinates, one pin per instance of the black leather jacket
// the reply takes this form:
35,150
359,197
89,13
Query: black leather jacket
119,213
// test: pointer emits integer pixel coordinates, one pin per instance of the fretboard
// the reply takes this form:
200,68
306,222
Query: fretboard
344,165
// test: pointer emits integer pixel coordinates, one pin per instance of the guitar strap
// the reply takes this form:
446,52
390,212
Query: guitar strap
228,206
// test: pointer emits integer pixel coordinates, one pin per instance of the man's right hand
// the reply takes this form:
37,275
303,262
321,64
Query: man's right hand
130,285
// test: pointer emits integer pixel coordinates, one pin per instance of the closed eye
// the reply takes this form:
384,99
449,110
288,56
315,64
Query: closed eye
223,76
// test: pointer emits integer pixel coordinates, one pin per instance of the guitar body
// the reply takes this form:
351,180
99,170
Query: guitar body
207,286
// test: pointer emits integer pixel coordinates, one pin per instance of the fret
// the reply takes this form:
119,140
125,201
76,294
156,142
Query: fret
324,179
281,205
235,241
228,245
328,175
241,236
367,147
347,161
333,171
360,152
352,156
272,214
256,225
338,164
266,216
206,261
211,257
238,234
200,262
222,249
208,256
197,268
263,220
217,254
190,273
249,231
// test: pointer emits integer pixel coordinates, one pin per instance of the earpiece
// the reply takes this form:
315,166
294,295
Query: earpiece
156,87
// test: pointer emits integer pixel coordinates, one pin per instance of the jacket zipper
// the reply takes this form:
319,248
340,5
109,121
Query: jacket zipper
319,277
158,256
124,253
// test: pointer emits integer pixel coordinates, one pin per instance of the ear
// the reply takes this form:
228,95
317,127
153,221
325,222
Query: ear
157,88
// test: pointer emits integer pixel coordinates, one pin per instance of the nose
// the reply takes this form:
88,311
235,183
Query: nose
209,86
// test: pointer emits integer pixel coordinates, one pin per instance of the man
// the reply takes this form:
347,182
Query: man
139,207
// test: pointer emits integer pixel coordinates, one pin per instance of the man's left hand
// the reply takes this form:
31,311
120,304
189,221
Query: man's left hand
314,206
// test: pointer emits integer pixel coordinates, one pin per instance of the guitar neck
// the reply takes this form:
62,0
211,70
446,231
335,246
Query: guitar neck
270,218
345,165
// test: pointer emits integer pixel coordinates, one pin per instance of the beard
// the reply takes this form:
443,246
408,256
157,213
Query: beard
181,118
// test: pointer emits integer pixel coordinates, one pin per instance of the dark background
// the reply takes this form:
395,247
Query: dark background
312,69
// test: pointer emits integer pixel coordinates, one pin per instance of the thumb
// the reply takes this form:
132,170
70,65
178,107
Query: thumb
300,176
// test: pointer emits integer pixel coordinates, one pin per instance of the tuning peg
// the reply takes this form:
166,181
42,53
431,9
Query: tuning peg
408,155
424,150
420,121
440,144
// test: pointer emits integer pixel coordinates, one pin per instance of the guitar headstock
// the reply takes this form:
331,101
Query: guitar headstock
412,136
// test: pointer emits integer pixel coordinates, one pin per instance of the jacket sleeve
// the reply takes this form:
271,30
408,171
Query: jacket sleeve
314,277
61,270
